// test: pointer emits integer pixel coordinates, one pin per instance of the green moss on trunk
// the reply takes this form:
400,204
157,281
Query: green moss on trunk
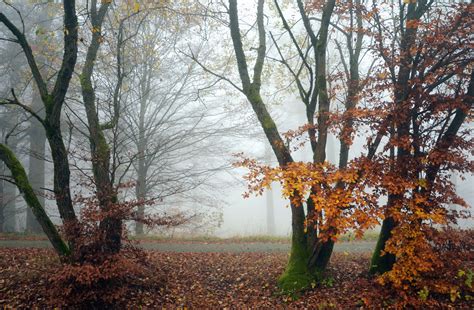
24,186
383,263
296,276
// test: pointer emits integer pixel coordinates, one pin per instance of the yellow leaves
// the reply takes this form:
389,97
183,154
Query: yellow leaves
382,75
454,294
136,7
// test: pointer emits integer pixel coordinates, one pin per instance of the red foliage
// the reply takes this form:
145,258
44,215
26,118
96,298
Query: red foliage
98,283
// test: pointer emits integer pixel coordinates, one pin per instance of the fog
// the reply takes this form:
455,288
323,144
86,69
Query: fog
211,120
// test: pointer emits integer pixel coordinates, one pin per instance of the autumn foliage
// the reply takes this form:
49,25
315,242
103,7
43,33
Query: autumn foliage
415,108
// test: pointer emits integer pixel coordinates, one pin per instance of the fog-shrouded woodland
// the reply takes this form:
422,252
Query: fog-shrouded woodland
236,154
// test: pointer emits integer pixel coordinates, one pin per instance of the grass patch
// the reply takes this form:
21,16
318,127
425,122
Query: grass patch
210,239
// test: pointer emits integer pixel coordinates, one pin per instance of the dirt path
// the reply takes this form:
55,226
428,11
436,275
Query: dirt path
206,247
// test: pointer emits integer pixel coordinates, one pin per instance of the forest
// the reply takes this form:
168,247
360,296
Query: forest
206,154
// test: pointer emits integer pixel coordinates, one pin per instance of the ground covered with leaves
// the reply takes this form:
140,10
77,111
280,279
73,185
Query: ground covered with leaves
209,280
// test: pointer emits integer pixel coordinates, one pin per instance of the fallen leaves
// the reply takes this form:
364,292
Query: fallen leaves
205,280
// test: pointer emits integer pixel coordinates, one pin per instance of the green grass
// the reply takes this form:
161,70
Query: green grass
208,238
22,236
370,235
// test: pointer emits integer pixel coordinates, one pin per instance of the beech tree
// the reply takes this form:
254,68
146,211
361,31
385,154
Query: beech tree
330,209
311,76
428,69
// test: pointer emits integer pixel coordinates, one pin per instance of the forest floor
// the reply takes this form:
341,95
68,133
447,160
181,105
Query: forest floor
206,247
180,280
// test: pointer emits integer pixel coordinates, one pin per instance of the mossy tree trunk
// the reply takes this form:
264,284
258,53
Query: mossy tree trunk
52,103
9,197
383,263
25,188
111,226
296,275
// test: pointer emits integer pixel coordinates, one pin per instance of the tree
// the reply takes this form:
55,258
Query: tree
428,69
53,102
110,225
251,89
37,136
172,133
311,77
314,232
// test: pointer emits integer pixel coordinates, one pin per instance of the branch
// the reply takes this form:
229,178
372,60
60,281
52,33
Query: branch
303,94
220,77
16,102
258,67
69,59
238,47
295,43
21,39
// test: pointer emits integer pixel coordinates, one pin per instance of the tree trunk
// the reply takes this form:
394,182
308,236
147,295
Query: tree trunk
9,198
36,172
402,126
383,263
21,180
111,225
320,251
297,275
140,193
61,179
141,187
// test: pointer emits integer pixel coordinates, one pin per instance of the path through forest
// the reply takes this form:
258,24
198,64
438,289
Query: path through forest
204,247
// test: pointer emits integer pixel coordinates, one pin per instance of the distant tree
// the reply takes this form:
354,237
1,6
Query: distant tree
173,132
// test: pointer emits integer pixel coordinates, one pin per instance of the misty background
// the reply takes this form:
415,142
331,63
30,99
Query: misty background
201,120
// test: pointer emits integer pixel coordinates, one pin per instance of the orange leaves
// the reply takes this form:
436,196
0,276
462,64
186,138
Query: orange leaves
340,195
429,259
412,23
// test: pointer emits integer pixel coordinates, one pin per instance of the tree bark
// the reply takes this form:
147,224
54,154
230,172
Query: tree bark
141,187
383,263
24,186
